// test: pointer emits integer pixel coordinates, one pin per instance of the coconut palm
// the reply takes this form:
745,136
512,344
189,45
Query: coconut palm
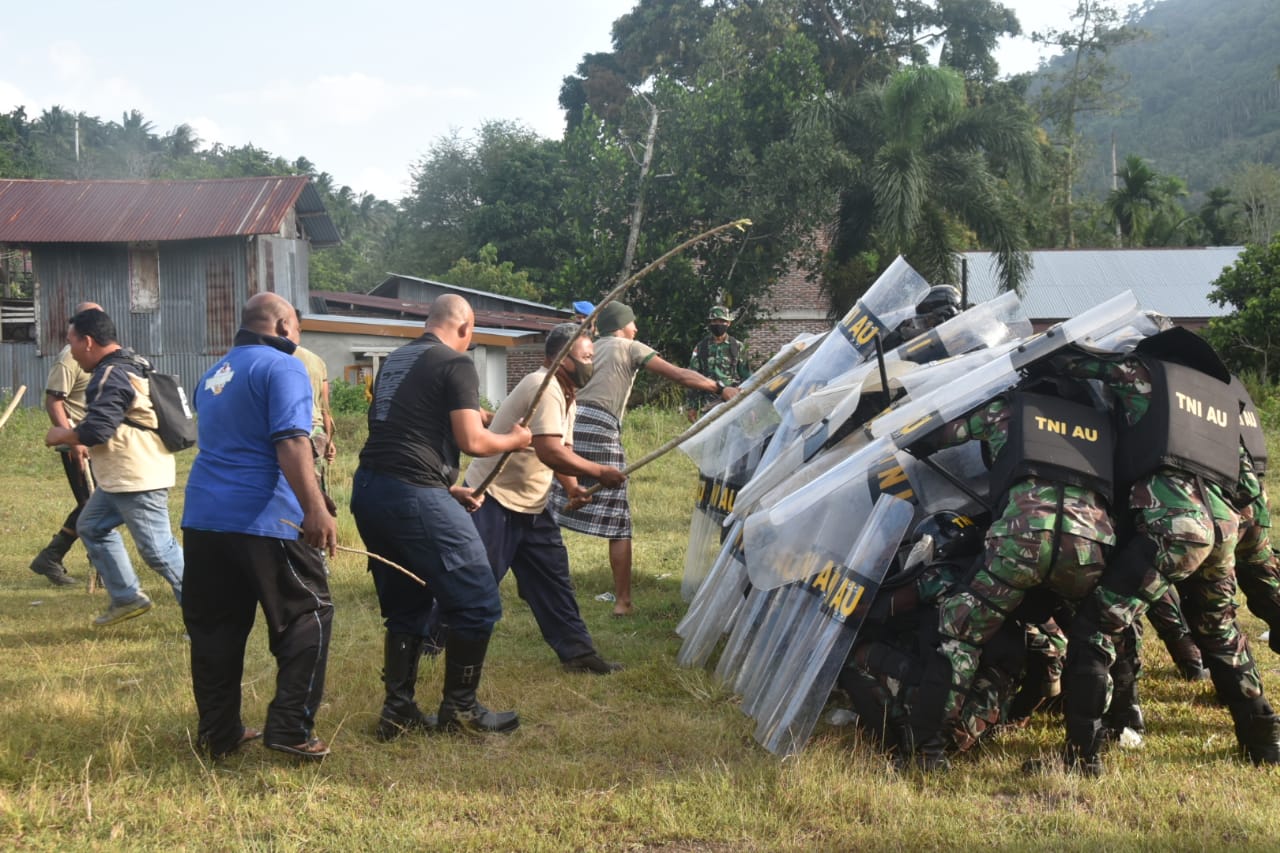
930,176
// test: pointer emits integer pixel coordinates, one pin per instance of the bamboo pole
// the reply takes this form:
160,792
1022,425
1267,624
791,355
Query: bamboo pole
419,581
612,295
13,404
788,355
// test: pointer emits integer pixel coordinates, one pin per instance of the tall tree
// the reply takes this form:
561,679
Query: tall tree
1086,82
925,184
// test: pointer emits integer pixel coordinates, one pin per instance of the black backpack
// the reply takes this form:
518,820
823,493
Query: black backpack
177,426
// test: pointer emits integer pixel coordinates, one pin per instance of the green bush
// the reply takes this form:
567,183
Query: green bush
347,399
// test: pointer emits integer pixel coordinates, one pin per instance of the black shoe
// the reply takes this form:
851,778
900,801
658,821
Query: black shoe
591,662
459,709
1191,670
477,720
391,726
46,563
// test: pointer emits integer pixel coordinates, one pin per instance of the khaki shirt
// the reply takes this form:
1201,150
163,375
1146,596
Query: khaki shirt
525,481
617,361
68,382
318,373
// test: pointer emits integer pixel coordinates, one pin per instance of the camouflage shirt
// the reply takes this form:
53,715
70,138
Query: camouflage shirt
1031,503
716,361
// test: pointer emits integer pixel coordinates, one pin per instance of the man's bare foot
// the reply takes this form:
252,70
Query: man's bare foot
620,609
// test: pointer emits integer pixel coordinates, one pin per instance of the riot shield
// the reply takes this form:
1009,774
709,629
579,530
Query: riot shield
891,299
839,598
727,453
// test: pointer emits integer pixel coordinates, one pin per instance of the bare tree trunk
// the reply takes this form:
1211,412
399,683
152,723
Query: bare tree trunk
637,210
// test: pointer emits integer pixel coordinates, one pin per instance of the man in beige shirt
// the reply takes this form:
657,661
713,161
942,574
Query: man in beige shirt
64,402
322,443
517,528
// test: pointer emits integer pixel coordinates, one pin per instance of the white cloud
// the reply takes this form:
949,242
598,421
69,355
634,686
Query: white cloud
68,59
11,97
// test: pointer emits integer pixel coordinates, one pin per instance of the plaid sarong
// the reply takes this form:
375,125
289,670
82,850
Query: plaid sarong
596,436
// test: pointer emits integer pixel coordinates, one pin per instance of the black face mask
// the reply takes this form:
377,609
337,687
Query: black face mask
581,373
718,329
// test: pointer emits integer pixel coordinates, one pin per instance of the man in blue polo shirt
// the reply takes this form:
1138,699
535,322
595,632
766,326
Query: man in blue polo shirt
253,474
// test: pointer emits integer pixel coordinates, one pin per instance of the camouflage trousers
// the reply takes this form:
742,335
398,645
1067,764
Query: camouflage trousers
970,616
1183,533
1257,570
885,694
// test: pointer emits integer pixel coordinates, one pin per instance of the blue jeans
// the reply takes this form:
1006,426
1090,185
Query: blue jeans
146,514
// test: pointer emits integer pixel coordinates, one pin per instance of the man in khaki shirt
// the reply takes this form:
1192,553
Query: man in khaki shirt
517,528
322,444
64,402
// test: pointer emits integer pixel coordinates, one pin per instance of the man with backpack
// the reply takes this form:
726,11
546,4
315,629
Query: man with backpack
131,463
717,356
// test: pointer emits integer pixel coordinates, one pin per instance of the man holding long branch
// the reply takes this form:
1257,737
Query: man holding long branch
425,410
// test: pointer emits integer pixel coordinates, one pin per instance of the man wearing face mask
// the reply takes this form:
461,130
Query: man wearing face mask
514,522
717,356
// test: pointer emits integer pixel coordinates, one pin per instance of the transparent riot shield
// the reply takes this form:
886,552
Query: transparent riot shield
805,670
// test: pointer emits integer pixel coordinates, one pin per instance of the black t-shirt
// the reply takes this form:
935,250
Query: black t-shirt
410,433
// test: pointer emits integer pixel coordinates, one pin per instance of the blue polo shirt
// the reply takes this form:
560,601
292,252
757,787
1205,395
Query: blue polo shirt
252,398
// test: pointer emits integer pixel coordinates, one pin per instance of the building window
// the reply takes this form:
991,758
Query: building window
144,278
17,320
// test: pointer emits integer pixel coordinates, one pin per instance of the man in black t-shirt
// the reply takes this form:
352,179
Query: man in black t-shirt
425,410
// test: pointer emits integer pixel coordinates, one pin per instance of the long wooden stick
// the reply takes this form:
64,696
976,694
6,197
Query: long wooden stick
13,404
740,224
419,581
788,355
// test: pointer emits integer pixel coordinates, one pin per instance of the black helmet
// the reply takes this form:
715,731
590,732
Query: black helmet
954,535
940,296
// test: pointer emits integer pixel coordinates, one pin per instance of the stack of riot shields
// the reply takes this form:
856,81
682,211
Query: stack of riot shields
814,526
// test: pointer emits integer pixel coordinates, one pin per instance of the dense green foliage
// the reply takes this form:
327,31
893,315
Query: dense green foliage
1249,338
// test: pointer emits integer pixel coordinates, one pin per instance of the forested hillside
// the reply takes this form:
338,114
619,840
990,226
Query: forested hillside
1203,93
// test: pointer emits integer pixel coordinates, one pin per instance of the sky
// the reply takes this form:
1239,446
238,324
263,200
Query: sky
362,90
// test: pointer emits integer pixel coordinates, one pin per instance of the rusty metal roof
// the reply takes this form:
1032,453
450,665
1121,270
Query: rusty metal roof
137,211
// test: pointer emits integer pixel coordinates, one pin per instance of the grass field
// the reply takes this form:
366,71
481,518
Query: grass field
98,725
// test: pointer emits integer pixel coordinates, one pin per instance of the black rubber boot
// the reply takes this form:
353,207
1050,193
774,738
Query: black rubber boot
460,711
1083,751
49,561
400,714
1257,730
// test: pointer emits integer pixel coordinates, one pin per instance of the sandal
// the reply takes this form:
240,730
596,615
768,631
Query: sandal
313,749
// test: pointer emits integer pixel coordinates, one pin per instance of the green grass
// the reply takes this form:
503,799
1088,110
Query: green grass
96,746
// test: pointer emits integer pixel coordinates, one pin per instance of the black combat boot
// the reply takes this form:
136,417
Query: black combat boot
459,711
400,714
49,561
1257,730
1186,657
1083,751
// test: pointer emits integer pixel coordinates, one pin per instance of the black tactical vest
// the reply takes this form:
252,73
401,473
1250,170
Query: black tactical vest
1255,441
1056,440
1192,425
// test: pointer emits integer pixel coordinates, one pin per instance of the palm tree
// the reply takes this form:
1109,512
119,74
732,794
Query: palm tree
1132,203
928,176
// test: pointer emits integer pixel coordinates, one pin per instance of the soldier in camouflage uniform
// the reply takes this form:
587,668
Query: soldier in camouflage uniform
1176,444
1053,532
717,356
1257,570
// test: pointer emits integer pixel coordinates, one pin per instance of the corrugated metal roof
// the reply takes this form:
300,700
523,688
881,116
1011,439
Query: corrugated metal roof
138,211
386,305
1062,283
392,277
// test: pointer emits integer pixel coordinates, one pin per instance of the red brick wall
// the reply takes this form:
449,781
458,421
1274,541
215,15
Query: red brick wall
796,304
523,360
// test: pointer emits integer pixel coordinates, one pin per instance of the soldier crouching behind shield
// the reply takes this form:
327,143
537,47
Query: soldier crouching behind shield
1051,464
1178,446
